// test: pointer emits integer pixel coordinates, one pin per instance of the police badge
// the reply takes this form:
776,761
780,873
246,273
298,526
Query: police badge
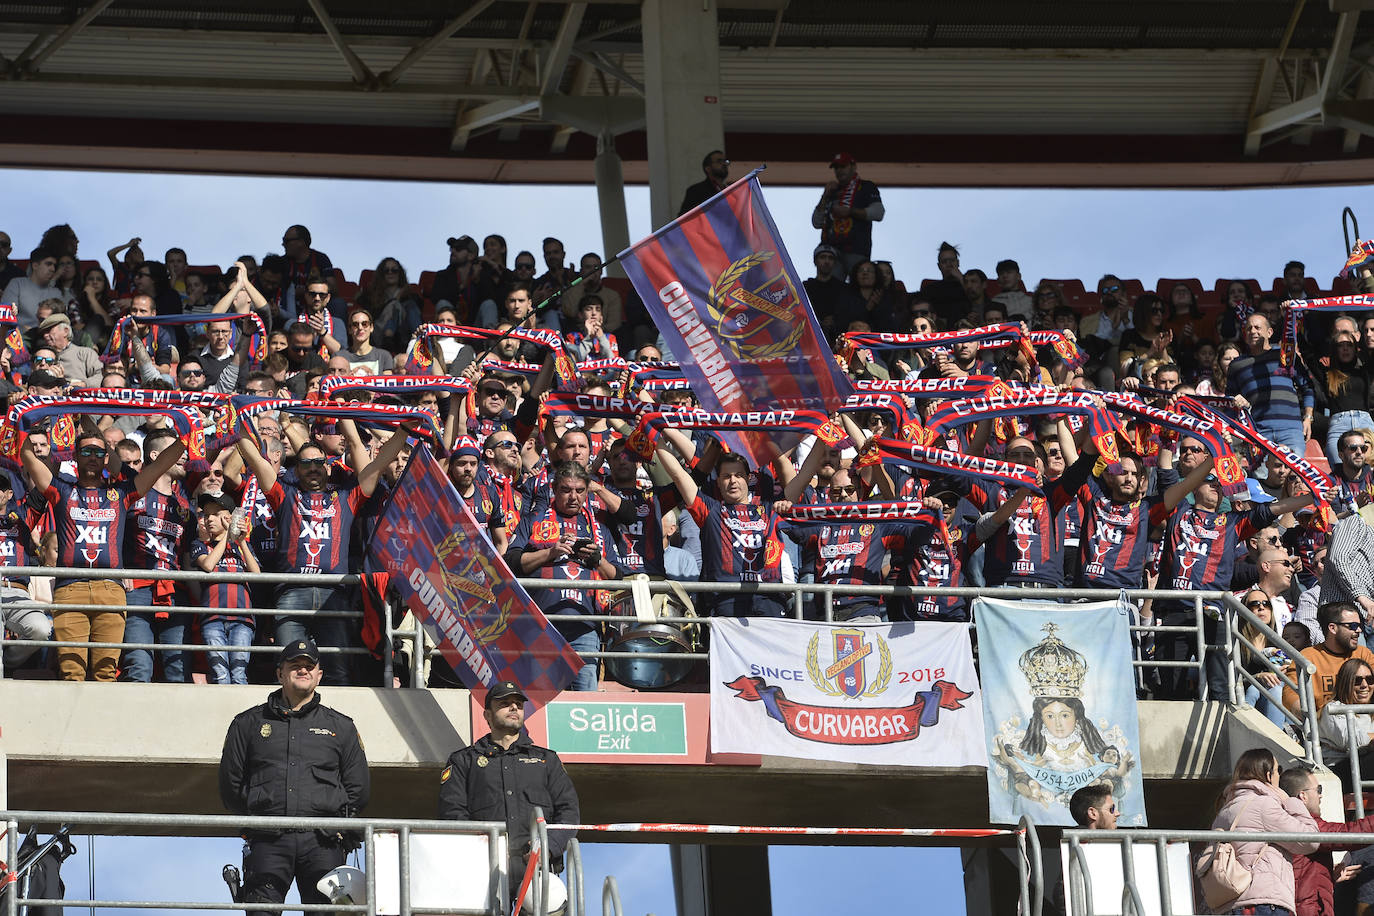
266,730
482,761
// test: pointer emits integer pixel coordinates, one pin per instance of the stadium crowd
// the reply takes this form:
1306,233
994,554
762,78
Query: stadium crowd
565,496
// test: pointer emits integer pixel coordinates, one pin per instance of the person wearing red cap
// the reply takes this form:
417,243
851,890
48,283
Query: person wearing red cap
848,208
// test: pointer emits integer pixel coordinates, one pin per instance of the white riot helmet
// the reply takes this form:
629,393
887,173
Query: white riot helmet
558,898
346,884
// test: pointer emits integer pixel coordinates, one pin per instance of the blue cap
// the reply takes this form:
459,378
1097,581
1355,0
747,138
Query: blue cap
1257,494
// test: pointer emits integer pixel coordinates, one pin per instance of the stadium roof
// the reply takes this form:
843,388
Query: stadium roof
983,92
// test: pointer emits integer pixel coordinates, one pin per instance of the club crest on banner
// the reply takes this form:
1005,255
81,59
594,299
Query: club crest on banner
471,574
847,675
763,323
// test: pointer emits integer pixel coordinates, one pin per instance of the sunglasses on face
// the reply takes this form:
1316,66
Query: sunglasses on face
310,462
505,443
299,349
1256,605
290,238
1190,449
44,360
1360,680
844,491
1109,289
1357,448
360,325
316,294
92,451
1351,625
193,373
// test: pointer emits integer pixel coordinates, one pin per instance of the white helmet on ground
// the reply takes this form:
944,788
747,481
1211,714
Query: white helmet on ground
344,884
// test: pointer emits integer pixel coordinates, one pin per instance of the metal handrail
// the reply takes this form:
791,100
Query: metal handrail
369,827
1352,747
1306,718
610,898
1079,872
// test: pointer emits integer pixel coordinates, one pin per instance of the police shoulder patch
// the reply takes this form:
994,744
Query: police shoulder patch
448,771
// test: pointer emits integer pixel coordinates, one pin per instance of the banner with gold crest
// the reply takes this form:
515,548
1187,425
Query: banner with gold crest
731,306
445,568
1060,705
902,694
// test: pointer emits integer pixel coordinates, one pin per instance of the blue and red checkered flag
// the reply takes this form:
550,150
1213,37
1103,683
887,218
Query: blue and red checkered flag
451,577
731,306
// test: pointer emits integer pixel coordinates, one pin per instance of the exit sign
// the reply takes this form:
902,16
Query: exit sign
610,728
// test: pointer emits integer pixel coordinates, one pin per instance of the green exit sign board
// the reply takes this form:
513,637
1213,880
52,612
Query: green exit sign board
612,728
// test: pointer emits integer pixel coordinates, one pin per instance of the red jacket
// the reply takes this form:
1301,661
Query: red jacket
1312,882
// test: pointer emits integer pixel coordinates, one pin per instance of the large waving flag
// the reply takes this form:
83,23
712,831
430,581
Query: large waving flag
486,626
730,304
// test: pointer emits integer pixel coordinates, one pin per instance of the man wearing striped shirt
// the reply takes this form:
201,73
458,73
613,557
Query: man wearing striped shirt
1349,574
1281,402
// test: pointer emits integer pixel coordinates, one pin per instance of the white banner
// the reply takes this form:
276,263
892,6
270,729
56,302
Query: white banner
903,694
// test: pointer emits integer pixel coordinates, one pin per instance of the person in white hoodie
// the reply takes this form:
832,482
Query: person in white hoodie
1252,802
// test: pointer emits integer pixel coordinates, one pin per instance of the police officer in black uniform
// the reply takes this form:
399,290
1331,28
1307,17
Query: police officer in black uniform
292,757
503,775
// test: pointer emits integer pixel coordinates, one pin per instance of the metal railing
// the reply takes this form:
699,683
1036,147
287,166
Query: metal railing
214,825
1353,747
1081,879
822,597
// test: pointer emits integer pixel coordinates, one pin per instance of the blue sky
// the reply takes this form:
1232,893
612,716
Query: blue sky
1052,233
1061,234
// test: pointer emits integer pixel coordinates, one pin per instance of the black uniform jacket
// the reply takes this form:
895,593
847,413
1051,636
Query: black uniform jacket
483,782
279,763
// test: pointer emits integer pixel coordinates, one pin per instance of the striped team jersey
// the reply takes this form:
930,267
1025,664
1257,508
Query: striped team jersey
14,538
1029,548
159,526
640,544
1359,491
851,553
541,529
738,543
226,592
90,524
929,563
314,530
1114,540
1200,546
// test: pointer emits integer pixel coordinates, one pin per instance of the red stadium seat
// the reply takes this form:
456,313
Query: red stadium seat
426,282
1165,288
993,289
1316,455
621,285
1134,290
210,270
1226,281
365,279
1308,283
1340,286
84,266
346,291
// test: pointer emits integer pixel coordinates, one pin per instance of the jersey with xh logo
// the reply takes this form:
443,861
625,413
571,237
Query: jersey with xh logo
314,528
851,553
640,544
1200,546
738,543
1115,537
157,533
89,522
542,529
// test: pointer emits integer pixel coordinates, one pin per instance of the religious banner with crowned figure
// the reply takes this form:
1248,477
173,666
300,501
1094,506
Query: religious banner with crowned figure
1059,705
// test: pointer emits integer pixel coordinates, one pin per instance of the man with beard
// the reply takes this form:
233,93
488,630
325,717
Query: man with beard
478,497
161,528
314,533
1354,475
562,539
500,474
716,169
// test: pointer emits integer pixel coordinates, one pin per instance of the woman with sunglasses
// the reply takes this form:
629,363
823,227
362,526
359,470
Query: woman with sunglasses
1267,698
1354,687
1252,802
1048,297
1150,338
